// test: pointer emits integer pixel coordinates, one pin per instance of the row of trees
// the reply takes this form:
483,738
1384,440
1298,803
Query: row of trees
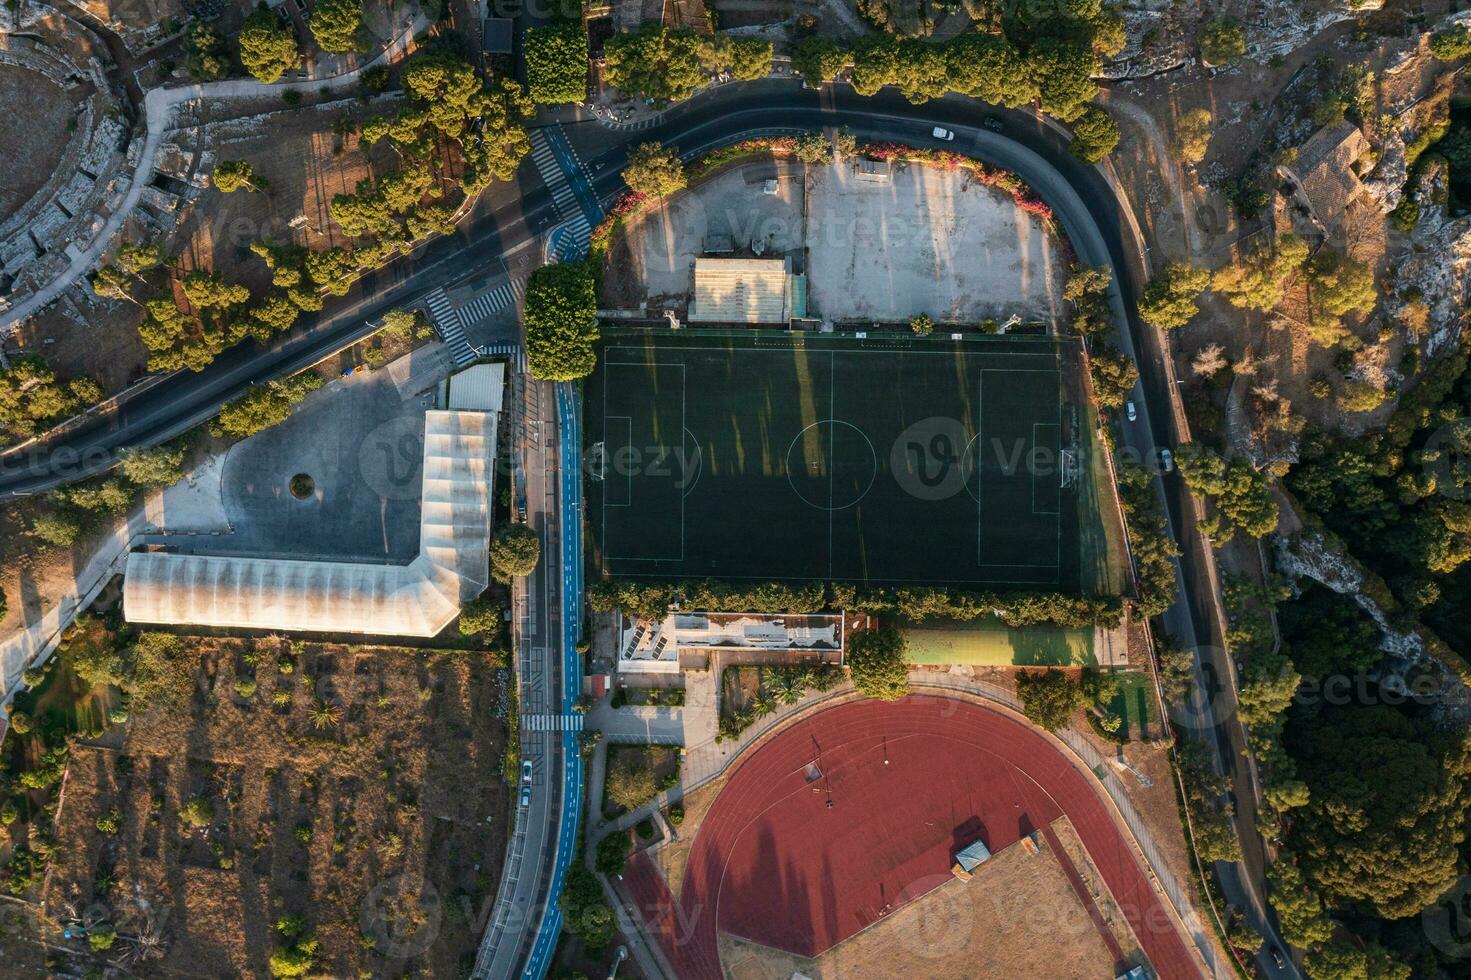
667,64
1243,501
1112,372
268,48
915,604
32,398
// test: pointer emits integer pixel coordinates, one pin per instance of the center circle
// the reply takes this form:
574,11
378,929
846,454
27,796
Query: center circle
831,465
302,486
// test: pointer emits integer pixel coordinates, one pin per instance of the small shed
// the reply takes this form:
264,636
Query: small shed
478,388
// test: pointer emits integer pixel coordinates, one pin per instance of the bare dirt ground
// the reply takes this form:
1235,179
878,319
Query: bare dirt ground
672,857
39,112
1018,917
384,828
306,163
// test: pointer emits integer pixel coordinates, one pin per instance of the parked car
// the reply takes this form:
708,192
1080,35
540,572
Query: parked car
525,795
993,124
1131,411
525,770
941,133
1167,460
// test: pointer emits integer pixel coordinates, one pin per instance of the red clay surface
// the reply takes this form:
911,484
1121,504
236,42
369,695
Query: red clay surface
773,863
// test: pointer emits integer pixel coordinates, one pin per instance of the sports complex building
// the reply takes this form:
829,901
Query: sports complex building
750,454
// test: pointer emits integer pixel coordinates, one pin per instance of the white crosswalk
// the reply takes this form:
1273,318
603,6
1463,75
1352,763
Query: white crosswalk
487,305
575,229
451,327
552,723
552,176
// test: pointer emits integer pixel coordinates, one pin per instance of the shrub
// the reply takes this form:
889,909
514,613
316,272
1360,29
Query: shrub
922,325
876,659
1222,40
101,938
1048,698
198,812
613,853
1451,44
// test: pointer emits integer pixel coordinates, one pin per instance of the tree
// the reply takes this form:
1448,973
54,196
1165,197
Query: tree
1114,376
1168,302
1342,961
514,553
1193,135
482,618
156,467
1222,40
264,405
658,63
813,148
31,396
197,813
990,68
819,59
585,912
631,781
1257,280
876,659
59,530
1063,69
922,325
4,604
94,653
613,853
1451,44
1239,490
561,322
1340,285
1048,697
746,58
231,175
209,58
336,24
556,63
1387,809
267,50
298,957
654,170
1095,135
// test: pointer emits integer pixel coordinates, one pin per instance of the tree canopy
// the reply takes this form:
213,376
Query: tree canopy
514,553
1168,302
1257,280
1388,807
654,170
1048,697
1222,40
659,63
232,175
337,25
267,50
876,659
265,405
1238,490
1095,135
556,63
561,322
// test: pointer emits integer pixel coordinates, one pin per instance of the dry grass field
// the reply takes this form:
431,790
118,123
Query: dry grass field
356,787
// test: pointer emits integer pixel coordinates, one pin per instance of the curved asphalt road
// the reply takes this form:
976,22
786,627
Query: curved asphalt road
1080,196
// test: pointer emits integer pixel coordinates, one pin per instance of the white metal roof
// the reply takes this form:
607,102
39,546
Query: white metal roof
417,599
477,388
740,291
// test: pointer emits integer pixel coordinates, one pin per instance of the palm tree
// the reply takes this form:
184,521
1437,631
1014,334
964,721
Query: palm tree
788,692
324,715
762,704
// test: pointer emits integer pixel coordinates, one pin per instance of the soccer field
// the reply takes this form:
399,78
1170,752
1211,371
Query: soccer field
893,460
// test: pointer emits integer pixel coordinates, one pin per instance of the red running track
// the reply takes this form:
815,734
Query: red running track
774,863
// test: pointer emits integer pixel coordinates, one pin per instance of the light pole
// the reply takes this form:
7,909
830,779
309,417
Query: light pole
622,955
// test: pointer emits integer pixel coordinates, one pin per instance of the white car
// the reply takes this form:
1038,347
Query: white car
1131,411
1167,460
525,770
941,133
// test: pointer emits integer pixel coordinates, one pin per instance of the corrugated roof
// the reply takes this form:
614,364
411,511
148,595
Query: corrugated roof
477,388
417,599
740,291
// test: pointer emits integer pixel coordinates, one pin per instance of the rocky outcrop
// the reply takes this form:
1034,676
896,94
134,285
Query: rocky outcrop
1387,183
1437,267
1279,27
1311,555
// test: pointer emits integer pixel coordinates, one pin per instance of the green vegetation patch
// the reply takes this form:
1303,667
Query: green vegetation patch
902,460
